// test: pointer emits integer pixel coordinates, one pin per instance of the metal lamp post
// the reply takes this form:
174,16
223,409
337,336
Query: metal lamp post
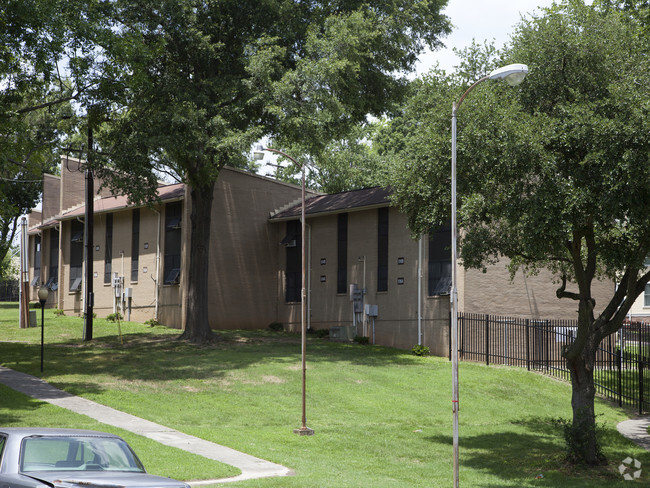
43,293
513,74
259,155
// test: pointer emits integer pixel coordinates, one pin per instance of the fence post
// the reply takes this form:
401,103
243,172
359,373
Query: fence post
619,363
527,345
639,362
641,393
487,340
547,329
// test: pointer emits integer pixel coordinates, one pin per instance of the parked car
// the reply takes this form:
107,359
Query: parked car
40,457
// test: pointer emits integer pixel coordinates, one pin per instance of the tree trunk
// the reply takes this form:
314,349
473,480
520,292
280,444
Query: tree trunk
582,442
197,326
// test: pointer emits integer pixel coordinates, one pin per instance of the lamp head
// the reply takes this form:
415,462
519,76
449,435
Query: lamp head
43,293
259,152
513,74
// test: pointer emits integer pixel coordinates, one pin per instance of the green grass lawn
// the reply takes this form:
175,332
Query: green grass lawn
382,416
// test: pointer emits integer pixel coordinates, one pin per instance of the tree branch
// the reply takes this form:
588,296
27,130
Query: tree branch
562,293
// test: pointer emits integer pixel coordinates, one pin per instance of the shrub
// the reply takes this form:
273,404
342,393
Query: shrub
276,326
576,439
363,340
420,350
58,312
152,323
322,332
113,317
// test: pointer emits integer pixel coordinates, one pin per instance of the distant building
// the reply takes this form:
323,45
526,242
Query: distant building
366,275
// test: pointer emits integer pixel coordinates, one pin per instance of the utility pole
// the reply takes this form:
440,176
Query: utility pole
88,239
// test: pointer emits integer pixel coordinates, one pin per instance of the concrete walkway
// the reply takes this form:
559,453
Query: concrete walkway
251,467
636,430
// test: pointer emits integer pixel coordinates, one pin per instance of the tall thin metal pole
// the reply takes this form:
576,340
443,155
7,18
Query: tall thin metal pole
454,299
88,239
303,430
42,332
505,73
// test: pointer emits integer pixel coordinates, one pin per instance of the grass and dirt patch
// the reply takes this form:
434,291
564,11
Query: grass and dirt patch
382,416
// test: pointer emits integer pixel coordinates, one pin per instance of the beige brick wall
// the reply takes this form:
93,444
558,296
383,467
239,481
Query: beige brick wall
526,296
244,252
396,324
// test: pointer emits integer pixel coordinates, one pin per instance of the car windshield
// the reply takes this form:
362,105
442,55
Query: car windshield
80,453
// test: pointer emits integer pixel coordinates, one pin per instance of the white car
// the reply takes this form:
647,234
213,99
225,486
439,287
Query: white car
62,458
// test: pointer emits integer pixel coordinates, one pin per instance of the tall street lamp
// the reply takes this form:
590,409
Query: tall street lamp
43,293
513,74
259,155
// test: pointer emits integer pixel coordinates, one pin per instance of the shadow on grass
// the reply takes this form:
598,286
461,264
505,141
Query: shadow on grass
14,402
540,449
158,357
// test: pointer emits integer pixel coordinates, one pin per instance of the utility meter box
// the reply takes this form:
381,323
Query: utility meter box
372,310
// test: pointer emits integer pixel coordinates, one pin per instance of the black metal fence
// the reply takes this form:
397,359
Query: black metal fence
622,369
9,291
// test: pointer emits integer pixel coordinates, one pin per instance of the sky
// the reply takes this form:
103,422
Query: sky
492,20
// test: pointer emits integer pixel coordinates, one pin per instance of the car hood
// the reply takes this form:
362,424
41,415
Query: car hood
106,479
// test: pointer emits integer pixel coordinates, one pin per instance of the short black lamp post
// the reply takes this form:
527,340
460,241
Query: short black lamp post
43,293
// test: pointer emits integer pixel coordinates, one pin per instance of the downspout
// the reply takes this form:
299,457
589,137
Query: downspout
157,278
309,277
420,291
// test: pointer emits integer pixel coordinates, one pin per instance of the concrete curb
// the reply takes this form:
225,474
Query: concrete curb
250,466
636,430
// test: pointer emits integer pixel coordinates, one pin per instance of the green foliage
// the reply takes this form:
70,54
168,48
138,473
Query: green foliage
363,340
58,312
420,350
152,323
114,317
276,326
322,333
577,437
551,174
186,87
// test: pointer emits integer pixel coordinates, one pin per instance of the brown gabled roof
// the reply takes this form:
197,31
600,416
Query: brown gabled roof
337,203
120,202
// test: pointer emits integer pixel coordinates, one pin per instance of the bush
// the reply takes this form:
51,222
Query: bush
152,323
114,317
276,326
58,312
420,350
363,340
576,439
322,332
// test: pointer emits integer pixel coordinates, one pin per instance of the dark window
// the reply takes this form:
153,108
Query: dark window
293,267
173,220
53,274
382,249
108,254
76,254
135,244
440,261
342,254
37,261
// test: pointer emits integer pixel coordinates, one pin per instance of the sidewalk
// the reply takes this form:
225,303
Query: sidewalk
251,467
636,430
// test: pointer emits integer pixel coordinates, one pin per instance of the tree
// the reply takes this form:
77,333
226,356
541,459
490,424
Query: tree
194,83
553,174
35,109
345,164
